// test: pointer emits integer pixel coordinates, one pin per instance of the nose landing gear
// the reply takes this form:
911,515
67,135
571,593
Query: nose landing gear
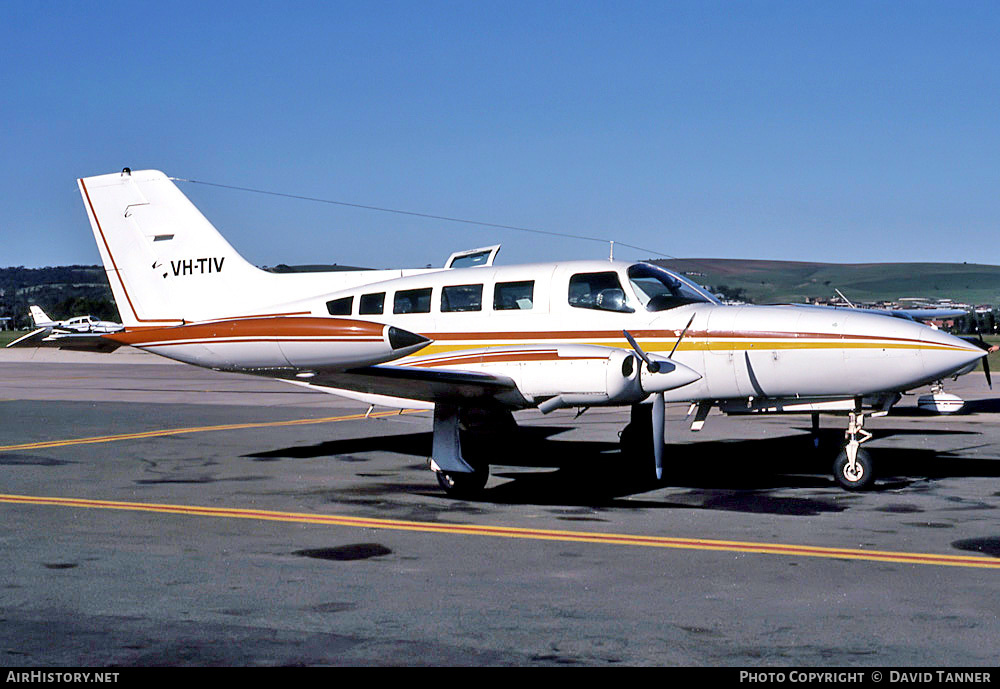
853,469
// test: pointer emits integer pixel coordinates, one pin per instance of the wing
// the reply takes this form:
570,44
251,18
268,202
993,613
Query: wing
440,385
931,314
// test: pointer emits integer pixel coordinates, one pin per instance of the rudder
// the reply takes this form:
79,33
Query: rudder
165,261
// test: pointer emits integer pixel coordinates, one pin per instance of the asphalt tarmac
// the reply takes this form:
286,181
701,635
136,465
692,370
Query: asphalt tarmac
158,514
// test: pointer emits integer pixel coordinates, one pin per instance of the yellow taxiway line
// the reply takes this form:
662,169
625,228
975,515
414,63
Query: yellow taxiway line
512,532
198,429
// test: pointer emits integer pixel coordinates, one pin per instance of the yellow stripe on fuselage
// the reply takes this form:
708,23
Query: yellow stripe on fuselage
685,345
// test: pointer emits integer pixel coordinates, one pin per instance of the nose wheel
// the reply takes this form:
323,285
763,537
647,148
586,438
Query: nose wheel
853,469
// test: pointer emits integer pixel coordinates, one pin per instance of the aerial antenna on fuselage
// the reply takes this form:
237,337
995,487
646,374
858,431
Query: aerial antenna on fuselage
612,257
844,298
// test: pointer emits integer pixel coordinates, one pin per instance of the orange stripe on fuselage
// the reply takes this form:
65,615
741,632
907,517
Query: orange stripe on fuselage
253,329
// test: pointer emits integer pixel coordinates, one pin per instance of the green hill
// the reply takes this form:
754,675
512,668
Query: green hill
75,290
765,282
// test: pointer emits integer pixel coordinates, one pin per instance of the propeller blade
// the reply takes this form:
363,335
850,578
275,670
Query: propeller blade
658,432
653,366
683,333
984,345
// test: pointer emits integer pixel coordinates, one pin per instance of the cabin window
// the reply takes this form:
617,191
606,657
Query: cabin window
412,301
462,298
340,307
371,303
601,291
511,296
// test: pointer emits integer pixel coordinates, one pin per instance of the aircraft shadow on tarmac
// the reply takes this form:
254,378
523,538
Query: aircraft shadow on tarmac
733,475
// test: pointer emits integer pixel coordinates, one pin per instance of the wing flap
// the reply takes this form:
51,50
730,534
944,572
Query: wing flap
439,385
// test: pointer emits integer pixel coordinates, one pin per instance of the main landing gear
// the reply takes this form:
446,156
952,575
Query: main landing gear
637,437
464,441
464,485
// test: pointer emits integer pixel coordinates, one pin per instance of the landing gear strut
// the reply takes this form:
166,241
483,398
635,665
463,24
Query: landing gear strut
460,475
853,468
636,438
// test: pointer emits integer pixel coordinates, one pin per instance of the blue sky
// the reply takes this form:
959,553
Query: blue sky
816,131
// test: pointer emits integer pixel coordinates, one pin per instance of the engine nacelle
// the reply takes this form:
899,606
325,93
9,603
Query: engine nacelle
590,375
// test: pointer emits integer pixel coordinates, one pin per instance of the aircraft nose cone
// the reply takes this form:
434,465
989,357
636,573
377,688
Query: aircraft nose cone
895,354
945,354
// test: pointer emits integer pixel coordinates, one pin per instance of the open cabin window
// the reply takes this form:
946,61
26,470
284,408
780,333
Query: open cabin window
514,296
371,304
461,298
412,301
602,291
340,307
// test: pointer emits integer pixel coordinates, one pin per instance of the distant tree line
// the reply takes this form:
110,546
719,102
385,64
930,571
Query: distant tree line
982,323
61,291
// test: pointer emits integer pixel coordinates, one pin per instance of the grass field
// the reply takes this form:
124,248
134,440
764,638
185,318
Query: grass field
7,336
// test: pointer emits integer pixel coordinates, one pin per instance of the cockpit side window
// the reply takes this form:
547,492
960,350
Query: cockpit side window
659,290
602,291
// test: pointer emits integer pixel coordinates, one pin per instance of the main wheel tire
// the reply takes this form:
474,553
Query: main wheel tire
861,478
464,485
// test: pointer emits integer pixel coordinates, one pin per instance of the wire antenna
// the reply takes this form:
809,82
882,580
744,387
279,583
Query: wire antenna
428,216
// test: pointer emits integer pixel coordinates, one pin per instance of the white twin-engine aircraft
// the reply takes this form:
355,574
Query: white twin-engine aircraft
475,341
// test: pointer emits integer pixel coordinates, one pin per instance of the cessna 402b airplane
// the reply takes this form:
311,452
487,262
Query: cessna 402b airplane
475,341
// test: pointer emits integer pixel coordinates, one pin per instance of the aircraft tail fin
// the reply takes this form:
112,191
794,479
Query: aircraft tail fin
165,261
39,317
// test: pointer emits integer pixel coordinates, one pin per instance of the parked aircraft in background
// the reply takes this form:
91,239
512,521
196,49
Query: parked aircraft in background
479,342
79,332
77,324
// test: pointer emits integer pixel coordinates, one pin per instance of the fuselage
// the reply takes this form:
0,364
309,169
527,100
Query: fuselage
88,324
508,320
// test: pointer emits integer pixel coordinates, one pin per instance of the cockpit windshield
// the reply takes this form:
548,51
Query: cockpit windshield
659,289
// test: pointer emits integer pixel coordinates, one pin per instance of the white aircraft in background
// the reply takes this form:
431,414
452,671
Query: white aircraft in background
475,341
79,332
77,324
